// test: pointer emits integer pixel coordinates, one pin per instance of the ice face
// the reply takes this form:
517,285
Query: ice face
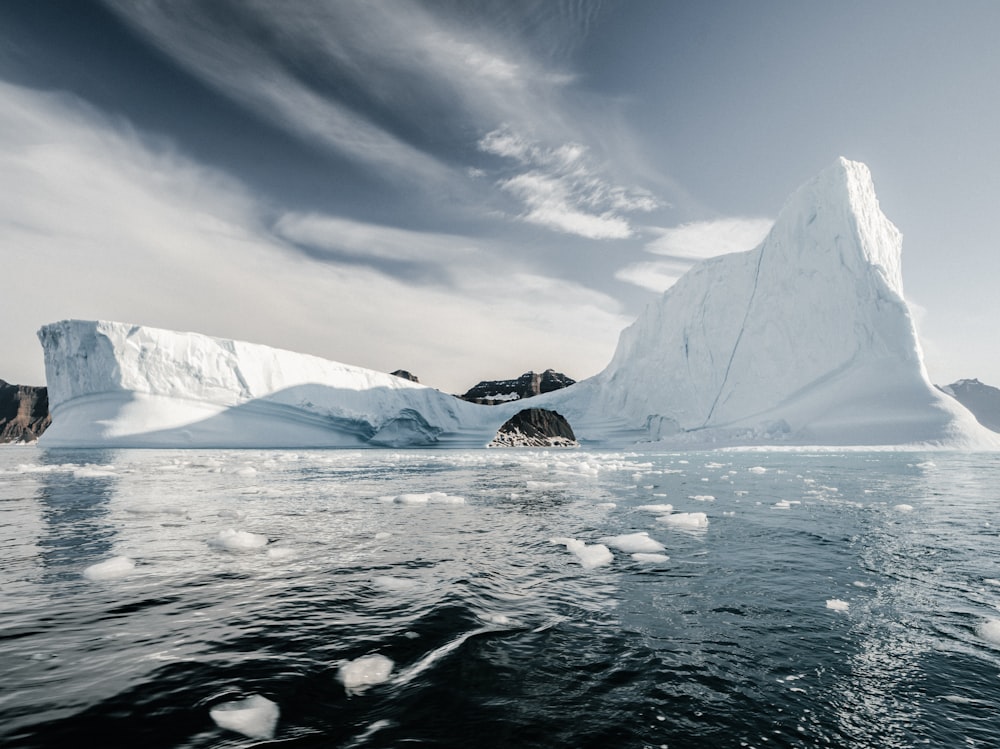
255,717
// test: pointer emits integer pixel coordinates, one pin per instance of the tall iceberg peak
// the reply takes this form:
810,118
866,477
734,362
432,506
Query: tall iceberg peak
807,337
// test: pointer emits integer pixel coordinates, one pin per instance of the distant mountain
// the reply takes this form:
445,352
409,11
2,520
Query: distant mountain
24,412
491,392
982,400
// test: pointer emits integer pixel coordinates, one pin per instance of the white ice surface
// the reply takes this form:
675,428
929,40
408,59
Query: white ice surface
364,672
632,543
837,605
234,540
989,630
110,569
589,555
687,520
255,717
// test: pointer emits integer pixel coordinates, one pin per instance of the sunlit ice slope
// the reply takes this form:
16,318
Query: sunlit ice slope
118,384
807,339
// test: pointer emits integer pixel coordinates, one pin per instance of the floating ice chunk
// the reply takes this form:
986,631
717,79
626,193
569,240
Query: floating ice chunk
382,535
837,605
633,542
959,700
606,505
703,498
245,471
427,498
255,717
991,581
903,508
990,630
390,582
729,513
233,540
589,555
494,618
782,504
656,508
364,672
650,558
687,520
860,584
110,569
539,486
758,469
280,553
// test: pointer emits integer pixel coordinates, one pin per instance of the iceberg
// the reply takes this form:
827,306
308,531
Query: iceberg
805,340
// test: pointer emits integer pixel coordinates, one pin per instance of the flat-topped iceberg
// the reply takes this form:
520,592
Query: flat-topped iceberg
805,340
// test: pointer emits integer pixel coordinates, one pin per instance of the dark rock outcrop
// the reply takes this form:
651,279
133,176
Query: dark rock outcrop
982,400
24,412
535,427
491,392
405,375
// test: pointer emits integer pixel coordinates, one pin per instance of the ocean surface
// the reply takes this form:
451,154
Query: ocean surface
155,598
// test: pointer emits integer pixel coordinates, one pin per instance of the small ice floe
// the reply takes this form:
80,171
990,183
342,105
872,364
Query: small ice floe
501,620
589,555
245,471
656,508
424,498
110,569
632,543
281,553
989,630
255,717
686,520
741,492
758,469
382,535
903,508
703,498
785,504
364,672
837,605
605,505
234,540
729,513
647,558
991,581
860,584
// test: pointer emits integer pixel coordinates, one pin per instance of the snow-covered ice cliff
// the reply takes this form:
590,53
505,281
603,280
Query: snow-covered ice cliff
116,384
806,339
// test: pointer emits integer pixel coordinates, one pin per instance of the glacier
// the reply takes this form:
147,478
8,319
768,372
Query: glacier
805,340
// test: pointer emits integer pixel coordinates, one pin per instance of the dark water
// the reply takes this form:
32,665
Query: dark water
499,637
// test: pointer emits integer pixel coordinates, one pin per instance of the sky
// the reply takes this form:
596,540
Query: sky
471,190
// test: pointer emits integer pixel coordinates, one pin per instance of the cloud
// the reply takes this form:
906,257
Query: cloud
562,190
122,226
703,239
655,275
689,243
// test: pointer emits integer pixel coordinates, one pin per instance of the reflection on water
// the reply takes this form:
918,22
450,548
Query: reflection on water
485,620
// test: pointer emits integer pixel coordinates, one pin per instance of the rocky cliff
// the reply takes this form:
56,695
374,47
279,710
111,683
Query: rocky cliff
528,385
982,400
24,412
535,427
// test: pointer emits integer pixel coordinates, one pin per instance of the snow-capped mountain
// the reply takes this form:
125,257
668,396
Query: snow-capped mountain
806,339
982,400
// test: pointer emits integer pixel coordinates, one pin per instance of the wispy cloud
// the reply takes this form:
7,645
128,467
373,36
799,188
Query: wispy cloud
703,239
123,226
562,190
689,243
